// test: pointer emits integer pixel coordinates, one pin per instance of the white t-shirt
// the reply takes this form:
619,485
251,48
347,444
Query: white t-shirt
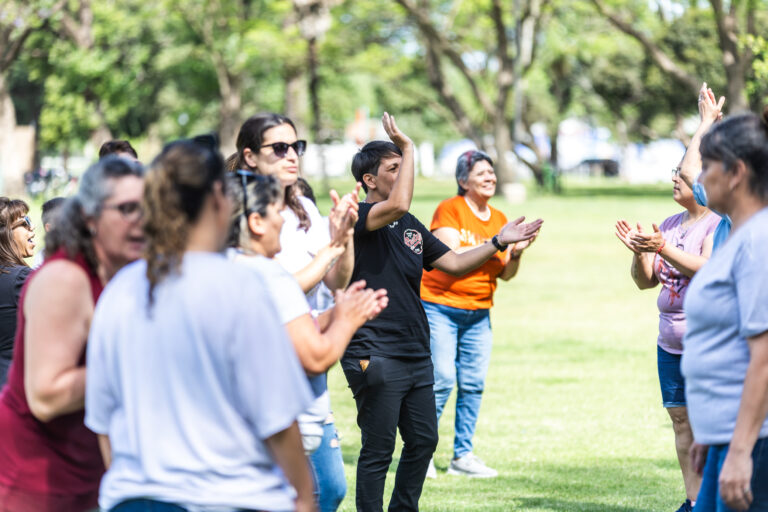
291,303
299,247
188,391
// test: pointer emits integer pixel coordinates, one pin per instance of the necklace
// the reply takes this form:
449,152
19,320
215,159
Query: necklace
482,216
690,222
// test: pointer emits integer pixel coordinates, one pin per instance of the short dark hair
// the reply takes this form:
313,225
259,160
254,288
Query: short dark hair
466,163
367,160
49,209
743,137
112,147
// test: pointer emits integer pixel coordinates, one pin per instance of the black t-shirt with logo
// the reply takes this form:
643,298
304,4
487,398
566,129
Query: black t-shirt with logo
393,257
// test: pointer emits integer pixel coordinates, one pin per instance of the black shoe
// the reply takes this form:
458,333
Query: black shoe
686,507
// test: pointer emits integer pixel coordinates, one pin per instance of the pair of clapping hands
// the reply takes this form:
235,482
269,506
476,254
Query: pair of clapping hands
637,240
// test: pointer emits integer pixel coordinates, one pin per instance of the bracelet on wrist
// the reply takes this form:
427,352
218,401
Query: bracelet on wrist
498,245
663,243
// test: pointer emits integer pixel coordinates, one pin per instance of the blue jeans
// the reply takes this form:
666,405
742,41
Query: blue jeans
461,350
328,469
709,494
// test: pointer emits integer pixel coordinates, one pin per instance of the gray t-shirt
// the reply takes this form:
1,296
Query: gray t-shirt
189,393
290,303
727,302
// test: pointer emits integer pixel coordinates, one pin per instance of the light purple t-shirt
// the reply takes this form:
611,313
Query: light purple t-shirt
674,283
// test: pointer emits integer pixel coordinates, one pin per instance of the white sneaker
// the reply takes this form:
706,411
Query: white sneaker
431,471
471,466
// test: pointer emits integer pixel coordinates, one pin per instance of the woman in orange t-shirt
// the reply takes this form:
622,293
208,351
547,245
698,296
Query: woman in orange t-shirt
458,307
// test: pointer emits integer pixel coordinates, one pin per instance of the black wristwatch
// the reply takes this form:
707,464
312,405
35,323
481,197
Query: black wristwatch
500,246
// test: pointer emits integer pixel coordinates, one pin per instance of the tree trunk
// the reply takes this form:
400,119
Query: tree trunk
296,99
314,100
230,120
502,143
12,177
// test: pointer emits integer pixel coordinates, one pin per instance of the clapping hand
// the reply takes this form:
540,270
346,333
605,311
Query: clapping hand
400,139
710,109
359,304
650,242
624,232
516,231
341,220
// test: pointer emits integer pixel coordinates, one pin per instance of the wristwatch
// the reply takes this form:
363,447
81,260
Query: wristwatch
498,245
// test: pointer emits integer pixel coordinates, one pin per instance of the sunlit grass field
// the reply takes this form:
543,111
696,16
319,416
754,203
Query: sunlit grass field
571,413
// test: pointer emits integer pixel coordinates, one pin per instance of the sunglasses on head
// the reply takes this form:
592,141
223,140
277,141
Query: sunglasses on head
281,148
246,177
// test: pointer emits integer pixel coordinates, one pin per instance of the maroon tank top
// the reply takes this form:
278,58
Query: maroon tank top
48,466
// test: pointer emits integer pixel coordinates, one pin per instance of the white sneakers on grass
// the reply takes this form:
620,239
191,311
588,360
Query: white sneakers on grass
468,465
431,471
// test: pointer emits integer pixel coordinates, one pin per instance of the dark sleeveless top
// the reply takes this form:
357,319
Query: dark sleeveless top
48,466
12,279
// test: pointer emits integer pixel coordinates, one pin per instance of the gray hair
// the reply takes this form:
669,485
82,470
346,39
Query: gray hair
70,232
464,166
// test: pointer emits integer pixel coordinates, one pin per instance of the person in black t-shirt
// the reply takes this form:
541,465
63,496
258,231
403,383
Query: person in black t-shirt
387,363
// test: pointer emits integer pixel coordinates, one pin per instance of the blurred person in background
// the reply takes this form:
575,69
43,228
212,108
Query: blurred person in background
50,208
458,307
16,244
49,460
120,148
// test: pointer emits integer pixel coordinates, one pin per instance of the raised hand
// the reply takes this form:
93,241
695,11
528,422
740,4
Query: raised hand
516,231
624,232
650,242
400,139
710,109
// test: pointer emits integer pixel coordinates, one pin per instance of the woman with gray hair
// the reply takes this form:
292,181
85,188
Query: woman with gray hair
49,460
458,307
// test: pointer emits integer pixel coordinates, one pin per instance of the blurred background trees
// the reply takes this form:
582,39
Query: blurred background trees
503,75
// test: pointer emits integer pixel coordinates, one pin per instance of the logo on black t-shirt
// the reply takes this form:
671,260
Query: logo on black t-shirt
412,239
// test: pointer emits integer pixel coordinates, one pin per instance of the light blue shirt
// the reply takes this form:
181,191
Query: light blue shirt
726,303
189,391
723,229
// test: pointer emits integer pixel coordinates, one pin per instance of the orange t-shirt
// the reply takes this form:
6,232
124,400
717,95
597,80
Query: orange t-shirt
473,290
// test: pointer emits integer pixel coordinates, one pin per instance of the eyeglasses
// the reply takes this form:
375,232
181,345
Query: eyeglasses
24,221
131,211
281,148
676,172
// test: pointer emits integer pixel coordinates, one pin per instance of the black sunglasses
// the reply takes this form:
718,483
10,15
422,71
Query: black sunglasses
281,148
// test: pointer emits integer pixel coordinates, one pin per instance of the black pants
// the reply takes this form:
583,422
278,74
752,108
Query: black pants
391,394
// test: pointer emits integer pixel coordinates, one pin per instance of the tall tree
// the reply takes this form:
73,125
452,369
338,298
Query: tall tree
491,51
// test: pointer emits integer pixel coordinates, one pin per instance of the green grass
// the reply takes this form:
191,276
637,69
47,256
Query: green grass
571,414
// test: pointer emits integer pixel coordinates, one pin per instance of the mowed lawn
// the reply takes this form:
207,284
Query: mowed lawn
571,413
